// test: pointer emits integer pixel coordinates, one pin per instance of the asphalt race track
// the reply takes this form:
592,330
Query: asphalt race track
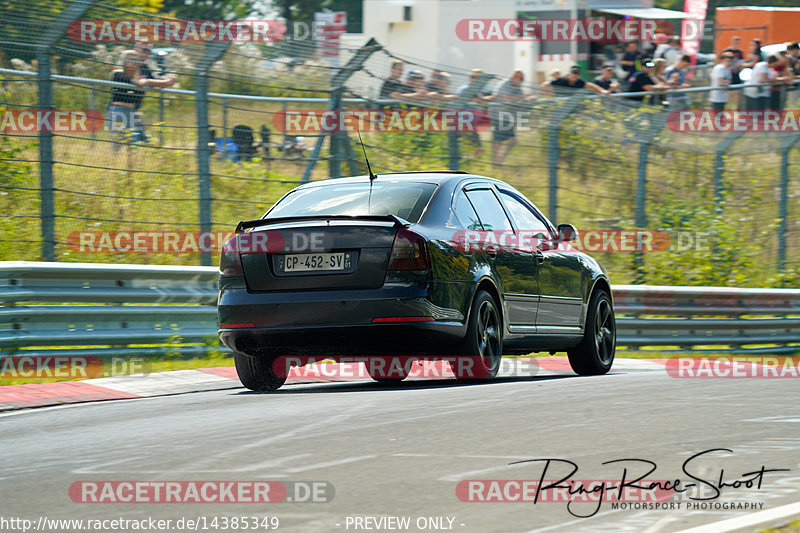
400,450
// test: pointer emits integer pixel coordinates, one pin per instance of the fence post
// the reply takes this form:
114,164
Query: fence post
554,150
463,102
55,31
224,128
161,117
337,86
212,53
336,141
719,166
783,205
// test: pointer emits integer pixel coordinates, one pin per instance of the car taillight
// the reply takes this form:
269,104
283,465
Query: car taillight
230,265
409,252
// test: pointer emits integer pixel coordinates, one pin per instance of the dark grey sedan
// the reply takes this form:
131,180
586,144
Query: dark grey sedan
421,265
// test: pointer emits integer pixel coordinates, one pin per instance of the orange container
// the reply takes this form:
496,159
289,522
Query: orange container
770,24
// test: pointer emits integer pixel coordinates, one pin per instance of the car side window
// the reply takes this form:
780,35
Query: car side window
465,213
522,215
489,210
527,222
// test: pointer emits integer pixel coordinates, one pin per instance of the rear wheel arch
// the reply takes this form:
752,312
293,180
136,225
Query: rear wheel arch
600,284
487,285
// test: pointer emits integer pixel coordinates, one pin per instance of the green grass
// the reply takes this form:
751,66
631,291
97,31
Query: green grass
793,527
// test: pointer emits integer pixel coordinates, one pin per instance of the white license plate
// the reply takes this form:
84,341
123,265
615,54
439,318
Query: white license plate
314,262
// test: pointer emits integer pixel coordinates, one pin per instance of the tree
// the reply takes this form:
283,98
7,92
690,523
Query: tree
208,9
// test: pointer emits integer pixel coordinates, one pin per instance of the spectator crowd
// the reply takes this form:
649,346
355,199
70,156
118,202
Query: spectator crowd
650,74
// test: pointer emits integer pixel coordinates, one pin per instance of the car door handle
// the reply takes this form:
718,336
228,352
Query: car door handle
491,252
539,256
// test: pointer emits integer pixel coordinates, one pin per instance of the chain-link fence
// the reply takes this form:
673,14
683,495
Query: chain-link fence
217,145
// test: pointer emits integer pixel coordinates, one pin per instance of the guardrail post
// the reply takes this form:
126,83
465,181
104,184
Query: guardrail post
212,53
56,30
337,86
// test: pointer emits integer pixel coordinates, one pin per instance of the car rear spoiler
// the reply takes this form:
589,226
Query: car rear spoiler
249,224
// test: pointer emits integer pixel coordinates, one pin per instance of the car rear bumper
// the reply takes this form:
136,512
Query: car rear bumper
318,323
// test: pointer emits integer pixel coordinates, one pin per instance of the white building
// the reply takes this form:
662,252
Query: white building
426,29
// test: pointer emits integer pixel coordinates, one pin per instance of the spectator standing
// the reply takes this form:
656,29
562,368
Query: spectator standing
573,80
754,54
631,61
793,91
738,59
431,85
672,51
659,66
413,88
122,114
758,98
439,86
473,136
605,80
394,83
146,70
660,40
508,93
676,78
720,77
644,82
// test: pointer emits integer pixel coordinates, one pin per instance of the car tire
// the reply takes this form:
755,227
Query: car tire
595,354
257,372
483,345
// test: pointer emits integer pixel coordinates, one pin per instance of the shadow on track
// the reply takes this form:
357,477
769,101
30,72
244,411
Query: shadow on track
412,384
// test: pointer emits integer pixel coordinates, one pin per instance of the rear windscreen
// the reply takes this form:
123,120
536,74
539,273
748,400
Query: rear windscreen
405,200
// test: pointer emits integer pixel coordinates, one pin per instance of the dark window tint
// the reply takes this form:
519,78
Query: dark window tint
465,213
489,210
405,200
525,219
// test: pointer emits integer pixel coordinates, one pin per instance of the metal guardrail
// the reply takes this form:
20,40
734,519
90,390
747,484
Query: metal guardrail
105,310
113,310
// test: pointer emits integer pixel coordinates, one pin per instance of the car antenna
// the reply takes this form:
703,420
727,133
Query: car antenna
369,169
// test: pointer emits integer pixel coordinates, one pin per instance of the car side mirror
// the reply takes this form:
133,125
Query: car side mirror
567,233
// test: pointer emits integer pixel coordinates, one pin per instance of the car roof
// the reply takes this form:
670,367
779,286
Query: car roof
427,176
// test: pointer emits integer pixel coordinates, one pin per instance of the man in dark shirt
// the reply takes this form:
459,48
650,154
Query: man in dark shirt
642,81
631,60
573,81
738,57
394,83
793,92
124,120
606,79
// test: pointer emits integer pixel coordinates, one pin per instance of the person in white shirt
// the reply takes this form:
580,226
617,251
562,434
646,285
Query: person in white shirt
674,53
757,98
721,77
